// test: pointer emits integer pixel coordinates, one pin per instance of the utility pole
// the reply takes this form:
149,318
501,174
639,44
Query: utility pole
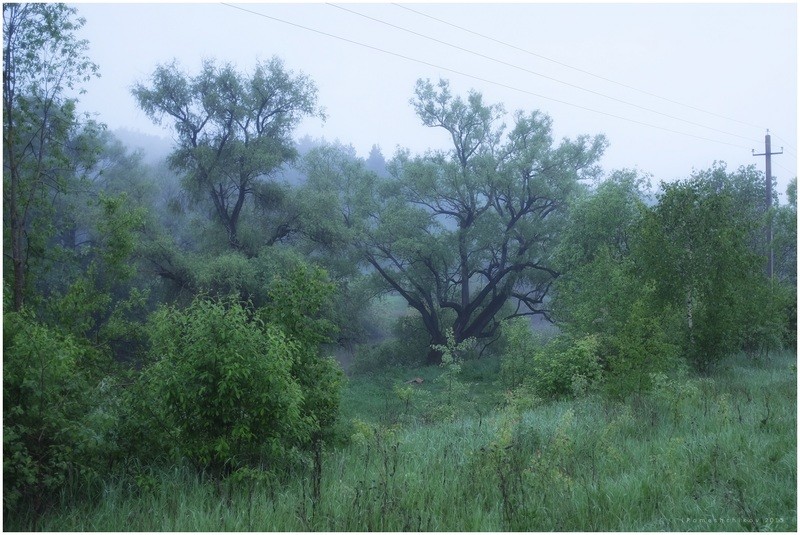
768,154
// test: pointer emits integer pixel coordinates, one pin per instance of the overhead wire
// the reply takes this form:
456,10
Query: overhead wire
578,69
788,147
791,173
474,77
514,66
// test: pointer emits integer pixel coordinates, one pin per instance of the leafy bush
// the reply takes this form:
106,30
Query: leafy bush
225,385
520,345
455,393
301,303
565,362
232,387
775,323
642,347
55,428
564,367
228,274
408,347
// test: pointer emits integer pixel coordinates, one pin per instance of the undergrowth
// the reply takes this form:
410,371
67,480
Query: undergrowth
700,454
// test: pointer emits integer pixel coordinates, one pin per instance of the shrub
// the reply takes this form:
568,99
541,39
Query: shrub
55,428
563,362
642,347
408,347
225,385
300,303
565,366
768,329
520,345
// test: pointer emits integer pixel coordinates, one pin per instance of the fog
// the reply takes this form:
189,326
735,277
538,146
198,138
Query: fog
674,87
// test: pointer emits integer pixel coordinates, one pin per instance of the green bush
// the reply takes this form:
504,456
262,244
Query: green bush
408,347
566,367
641,347
55,425
224,383
228,274
232,387
301,304
414,340
774,325
516,361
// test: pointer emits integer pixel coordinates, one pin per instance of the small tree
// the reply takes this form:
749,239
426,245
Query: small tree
695,249
54,426
42,61
233,386
602,292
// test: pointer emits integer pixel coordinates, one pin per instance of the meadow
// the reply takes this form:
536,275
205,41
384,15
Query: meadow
711,453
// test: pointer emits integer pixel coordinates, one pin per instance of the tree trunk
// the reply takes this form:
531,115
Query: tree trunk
434,357
17,232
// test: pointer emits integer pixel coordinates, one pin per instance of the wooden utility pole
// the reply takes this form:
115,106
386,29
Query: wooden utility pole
768,154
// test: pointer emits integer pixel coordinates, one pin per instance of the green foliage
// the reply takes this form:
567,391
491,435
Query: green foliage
228,274
695,250
564,368
643,345
456,393
516,361
784,242
55,426
232,132
300,303
88,300
678,280
774,325
240,388
226,385
407,347
602,293
43,142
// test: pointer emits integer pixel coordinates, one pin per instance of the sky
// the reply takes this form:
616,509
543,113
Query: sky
673,87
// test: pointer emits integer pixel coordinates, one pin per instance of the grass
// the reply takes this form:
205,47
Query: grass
704,454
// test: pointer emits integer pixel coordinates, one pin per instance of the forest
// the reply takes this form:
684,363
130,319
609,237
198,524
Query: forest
264,333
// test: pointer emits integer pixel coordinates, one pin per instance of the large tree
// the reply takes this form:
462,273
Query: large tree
43,145
232,130
461,234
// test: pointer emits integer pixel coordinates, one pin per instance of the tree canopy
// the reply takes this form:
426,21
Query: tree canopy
233,130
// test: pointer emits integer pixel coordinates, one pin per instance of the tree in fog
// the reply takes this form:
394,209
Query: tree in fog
462,234
44,144
376,162
233,130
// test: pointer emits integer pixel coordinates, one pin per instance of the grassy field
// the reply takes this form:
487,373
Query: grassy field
705,454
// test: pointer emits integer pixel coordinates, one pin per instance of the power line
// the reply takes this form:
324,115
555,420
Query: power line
791,173
499,84
576,68
537,73
788,146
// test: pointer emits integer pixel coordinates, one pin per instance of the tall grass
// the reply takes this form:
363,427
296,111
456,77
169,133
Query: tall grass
710,454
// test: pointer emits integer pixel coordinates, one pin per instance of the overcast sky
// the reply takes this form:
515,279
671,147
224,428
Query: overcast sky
704,81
